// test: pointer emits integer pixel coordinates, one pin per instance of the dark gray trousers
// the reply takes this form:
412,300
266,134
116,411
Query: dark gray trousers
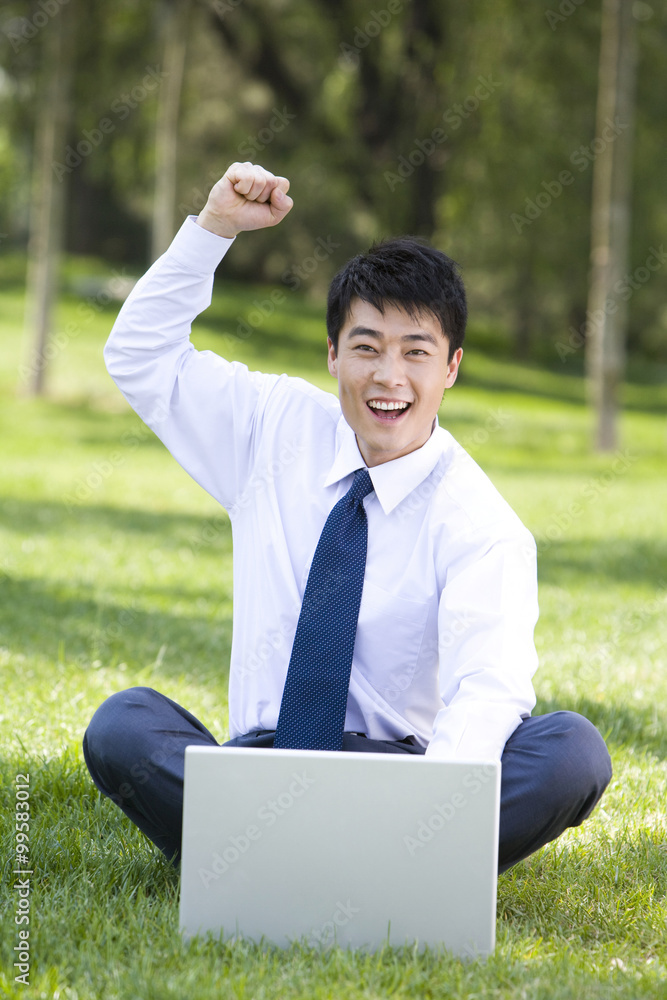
555,768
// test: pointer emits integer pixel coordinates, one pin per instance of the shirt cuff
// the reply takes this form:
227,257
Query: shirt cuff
472,733
198,249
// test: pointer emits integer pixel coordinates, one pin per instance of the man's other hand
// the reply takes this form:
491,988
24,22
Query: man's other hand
246,197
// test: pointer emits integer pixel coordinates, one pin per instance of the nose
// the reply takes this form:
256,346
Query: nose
389,370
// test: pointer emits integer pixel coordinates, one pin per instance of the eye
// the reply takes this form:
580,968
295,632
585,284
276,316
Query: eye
365,347
417,350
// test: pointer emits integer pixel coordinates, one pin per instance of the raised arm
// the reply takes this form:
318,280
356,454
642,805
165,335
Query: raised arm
202,407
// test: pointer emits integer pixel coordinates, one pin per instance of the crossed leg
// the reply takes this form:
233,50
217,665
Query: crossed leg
555,768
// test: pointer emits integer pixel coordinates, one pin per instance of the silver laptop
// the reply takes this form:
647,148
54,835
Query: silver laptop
352,849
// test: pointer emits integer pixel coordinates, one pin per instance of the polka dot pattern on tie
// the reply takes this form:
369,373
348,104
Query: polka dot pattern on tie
314,702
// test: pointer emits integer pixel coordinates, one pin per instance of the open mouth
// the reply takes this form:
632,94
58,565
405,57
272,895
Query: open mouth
387,411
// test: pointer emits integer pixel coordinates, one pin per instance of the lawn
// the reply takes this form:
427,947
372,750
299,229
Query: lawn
115,570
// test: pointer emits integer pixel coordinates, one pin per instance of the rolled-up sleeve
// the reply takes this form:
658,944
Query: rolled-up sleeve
486,620
202,407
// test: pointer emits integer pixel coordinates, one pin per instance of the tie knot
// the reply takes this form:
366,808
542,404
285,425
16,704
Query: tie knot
361,486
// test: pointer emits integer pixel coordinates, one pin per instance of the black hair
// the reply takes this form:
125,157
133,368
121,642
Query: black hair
405,272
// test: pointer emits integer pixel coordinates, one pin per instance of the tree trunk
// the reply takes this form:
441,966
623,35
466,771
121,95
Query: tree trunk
47,196
176,15
610,216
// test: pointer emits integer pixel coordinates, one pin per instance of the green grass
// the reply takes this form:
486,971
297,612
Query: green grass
129,582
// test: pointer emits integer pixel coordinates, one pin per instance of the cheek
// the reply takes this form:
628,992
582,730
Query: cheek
432,393
350,378
346,390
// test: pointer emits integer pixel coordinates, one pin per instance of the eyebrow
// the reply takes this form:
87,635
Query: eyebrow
364,331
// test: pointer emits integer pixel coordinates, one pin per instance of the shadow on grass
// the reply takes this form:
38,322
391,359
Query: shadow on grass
43,620
603,560
571,390
172,530
561,562
81,421
54,623
636,726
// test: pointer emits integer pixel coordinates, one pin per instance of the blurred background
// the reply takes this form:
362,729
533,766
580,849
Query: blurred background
528,141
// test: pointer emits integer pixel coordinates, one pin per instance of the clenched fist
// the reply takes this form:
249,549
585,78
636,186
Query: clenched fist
246,197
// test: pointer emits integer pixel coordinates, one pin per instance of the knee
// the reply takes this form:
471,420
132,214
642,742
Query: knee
114,722
586,750
579,759
562,755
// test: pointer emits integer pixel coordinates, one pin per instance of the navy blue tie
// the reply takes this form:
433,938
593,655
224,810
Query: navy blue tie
312,711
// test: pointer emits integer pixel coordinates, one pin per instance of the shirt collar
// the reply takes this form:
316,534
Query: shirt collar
392,481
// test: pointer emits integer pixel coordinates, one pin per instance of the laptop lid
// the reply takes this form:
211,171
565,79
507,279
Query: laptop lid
349,848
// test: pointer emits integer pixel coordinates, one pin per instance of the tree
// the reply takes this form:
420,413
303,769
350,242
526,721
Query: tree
610,216
48,193
175,14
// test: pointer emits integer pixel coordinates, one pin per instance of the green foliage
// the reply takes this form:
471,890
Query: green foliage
115,570
344,98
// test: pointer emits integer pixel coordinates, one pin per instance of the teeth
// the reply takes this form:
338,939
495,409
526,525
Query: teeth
377,405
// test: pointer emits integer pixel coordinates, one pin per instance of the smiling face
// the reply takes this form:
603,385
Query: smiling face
384,361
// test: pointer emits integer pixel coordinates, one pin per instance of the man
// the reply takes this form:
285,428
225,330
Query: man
384,593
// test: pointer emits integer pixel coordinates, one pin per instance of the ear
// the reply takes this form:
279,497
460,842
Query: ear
453,368
332,360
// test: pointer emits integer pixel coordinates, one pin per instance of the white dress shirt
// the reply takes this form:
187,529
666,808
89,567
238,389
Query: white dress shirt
444,647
